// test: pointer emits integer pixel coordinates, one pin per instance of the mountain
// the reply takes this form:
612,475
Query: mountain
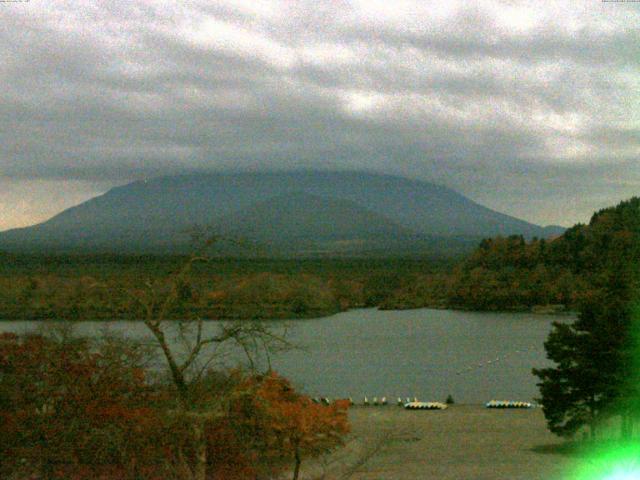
307,217
287,211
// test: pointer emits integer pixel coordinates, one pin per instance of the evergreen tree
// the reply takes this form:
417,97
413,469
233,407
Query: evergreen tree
595,373
592,362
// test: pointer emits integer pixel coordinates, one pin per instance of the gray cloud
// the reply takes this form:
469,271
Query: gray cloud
524,106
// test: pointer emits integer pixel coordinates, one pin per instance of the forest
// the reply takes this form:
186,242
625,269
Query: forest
79,287
509,273
501,274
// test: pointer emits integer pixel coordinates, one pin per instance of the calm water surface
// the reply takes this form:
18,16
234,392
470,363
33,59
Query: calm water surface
425,353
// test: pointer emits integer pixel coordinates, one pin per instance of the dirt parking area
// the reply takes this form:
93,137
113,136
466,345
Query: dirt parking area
463,442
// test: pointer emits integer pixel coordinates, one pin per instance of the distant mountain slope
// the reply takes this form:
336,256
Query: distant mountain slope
301,216
273,206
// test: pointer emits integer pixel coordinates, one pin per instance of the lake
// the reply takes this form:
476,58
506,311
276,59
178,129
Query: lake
424,353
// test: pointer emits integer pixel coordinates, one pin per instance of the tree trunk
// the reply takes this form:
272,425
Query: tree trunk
296,470
176,373
200,448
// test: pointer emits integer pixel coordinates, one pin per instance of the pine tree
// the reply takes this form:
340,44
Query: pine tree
595,372
592,361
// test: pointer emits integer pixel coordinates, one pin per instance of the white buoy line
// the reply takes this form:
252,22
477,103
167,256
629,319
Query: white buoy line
408,402
508,404
500,358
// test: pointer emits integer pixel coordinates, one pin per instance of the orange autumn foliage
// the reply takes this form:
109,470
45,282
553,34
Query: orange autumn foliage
71,411
284,426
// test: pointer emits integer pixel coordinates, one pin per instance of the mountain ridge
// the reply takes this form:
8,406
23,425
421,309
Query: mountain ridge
155,213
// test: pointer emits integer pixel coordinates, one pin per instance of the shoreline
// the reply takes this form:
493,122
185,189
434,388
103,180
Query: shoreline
536,310
312,316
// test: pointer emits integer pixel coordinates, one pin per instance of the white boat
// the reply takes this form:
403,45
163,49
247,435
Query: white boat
425,406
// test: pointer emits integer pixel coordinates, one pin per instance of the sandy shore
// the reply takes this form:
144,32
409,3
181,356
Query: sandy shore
464,442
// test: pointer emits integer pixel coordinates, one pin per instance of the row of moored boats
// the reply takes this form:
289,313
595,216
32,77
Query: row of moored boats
415,404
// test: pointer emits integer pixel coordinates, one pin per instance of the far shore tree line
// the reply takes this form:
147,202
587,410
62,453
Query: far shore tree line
108,288
508,274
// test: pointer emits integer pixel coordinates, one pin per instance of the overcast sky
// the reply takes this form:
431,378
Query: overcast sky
531,108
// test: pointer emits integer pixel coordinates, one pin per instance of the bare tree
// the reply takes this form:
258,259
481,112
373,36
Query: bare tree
200,351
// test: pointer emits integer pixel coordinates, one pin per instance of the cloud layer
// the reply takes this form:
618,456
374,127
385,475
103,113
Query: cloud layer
531,108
